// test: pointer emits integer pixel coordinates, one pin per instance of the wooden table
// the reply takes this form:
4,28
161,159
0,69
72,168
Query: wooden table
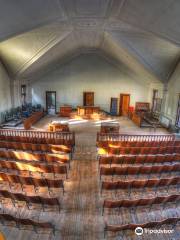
109,128
65,111
58,127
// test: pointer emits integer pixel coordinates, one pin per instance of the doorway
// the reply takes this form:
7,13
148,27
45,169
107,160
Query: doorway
124,104
88,98
155,96
178,114
114,106
51,102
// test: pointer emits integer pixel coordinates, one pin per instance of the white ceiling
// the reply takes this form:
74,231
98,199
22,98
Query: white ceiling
143,34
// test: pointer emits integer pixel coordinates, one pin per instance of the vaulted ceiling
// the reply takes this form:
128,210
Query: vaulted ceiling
35,35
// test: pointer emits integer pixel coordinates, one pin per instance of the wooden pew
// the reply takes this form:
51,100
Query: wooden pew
35,117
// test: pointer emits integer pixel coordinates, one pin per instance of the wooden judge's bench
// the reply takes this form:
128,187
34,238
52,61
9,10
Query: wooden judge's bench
87,110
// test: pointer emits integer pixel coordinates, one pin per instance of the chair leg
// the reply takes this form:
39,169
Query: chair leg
105,231
54,230
103,210
59,207
35,229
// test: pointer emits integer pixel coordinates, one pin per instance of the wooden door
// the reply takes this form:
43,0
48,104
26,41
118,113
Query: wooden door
114,106
88,98
124,104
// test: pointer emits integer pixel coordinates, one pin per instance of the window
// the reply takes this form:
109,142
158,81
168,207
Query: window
156,102
178,114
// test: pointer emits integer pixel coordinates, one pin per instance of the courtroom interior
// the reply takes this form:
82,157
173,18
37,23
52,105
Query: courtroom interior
89,119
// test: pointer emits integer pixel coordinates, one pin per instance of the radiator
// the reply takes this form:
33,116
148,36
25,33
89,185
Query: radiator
165,121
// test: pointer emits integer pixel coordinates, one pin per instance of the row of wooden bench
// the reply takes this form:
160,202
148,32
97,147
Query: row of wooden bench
29,200
6,219
33,168
132,226
35,157
135,170
139,159
50,148
138,143
142,183
138,150
126,203
31,181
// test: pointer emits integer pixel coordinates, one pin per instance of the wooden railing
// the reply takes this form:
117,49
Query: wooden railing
131,138
66,136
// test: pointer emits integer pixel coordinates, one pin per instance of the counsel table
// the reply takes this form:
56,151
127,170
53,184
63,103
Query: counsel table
58,127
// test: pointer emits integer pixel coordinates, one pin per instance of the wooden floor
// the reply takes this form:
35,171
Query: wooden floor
80,216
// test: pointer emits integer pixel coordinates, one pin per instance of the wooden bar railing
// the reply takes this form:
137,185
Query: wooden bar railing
131,138
66,136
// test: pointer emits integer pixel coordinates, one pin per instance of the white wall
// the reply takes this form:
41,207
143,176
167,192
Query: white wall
5,98
173,91
91,73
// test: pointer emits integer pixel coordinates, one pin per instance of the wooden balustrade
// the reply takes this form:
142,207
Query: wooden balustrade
42,136
125,137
